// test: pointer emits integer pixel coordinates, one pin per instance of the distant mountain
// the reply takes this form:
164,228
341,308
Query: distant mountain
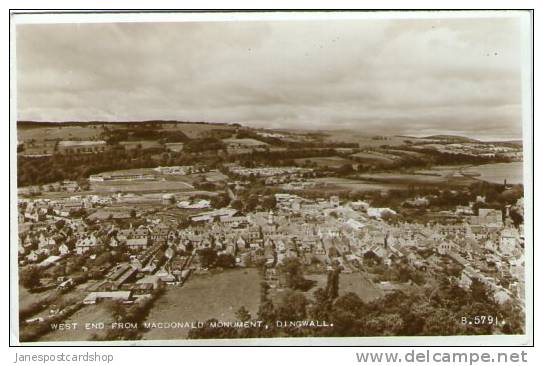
450,138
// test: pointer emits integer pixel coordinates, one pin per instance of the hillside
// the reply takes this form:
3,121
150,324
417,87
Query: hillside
450,138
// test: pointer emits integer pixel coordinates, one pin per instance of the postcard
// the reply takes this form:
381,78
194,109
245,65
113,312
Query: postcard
271,178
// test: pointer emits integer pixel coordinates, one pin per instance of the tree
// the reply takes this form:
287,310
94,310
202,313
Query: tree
207,257
220,200
237,205
516,217
292,306
332,284
292,269
225,261
30,277
441,322
384,325
103,258
269,202
60,224
345,169
267,312
479,291
243,314
251,203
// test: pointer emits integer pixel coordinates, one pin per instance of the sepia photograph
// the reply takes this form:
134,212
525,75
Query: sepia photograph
271,178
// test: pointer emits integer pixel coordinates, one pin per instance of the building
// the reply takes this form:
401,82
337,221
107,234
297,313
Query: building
82,147
95,297
487,217
509,239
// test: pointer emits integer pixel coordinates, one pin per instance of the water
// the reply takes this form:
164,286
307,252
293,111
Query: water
496,173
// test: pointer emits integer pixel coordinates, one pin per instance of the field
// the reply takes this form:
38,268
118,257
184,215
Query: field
400,178
27,299
364,140
356,282
195,130
359,284
89,314
375,157
140,186
215,176
328,161
353,184
63,133
145,144
203,297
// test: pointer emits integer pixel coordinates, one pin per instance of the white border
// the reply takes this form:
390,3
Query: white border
103,17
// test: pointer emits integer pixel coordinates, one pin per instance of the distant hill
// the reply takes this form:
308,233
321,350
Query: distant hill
90,123
450,138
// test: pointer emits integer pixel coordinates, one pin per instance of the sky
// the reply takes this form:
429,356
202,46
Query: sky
382,76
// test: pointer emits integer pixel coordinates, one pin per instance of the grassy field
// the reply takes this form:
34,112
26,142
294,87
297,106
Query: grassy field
358,283
374,157
401,178
194,130
217,295
145,144
89,314
140,186
215,176
329,161
364,140
27,299
65,132
353,184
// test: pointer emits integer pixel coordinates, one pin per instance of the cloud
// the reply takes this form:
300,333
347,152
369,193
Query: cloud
401,76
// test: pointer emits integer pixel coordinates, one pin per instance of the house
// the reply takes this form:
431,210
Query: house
86,243
137,243
95,297
487,217
45,242
34,256
509,238
445,247
160,234
63,249
378,212
49,261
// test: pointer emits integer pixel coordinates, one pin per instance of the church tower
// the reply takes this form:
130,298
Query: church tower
270,218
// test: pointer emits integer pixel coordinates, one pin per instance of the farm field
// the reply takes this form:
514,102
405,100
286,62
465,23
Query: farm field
405,178
353,184
375,157
442,170
57,132
145,144
217,295
364,140
329,161
358,283
27,299
215,176
89,314
195,130
140,186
